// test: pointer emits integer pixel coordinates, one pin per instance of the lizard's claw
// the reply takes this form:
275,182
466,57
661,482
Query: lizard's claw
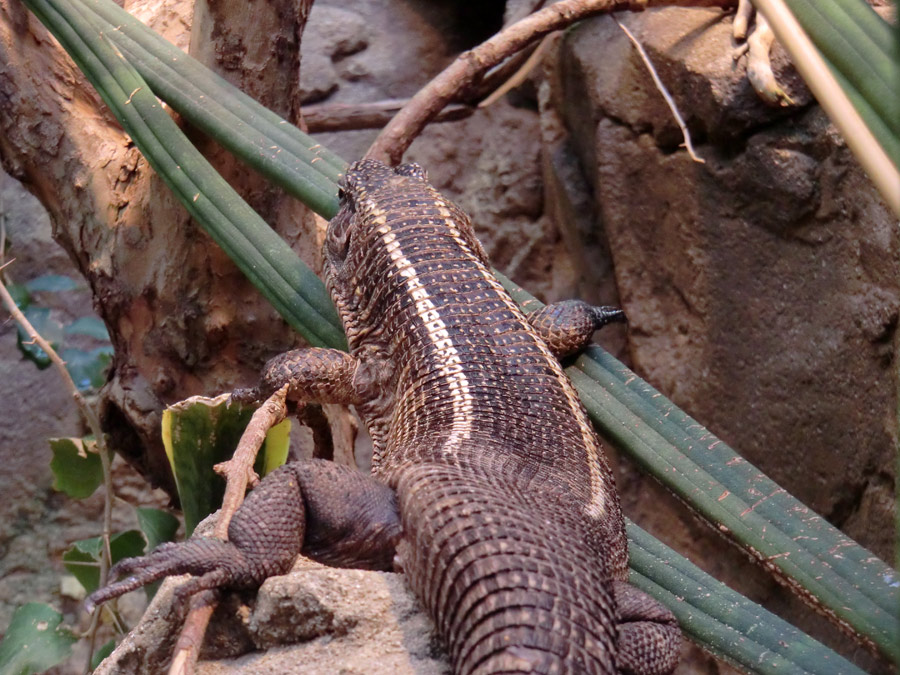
213,562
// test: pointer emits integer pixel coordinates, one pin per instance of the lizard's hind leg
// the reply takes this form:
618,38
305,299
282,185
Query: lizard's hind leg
649,640
332,513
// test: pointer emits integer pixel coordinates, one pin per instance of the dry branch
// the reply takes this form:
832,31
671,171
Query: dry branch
239,475
467,70
349,116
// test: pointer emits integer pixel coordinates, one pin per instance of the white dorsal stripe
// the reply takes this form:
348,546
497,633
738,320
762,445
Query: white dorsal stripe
451,370
445,352
596,507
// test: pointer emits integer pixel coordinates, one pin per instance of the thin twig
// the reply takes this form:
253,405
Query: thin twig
239,474
470,66
665,92
324,117
519,76
238,471
93,422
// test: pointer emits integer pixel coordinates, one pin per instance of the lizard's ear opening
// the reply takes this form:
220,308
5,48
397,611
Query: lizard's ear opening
337,237
412,170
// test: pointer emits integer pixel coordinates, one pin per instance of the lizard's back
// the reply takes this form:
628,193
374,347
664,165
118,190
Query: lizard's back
512,529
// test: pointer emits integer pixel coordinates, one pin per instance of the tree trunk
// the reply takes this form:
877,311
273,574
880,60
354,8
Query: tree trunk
183,320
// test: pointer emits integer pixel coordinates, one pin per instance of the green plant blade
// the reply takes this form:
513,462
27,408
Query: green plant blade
224,111
260,253
76,467
854,49
721,620
158,526
852,40
200,432
82,558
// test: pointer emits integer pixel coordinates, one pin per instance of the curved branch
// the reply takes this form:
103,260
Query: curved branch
470,66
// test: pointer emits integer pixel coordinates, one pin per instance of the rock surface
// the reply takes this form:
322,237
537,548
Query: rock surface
314,620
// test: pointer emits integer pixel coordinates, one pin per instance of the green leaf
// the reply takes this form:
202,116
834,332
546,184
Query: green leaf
274,452
721,620
157,526
51,282
234,119
102,653
35,641
76,466
88,368
82,558
90,326
201,432
20,295
49,329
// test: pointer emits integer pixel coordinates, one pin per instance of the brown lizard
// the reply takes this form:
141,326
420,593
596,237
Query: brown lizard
489,487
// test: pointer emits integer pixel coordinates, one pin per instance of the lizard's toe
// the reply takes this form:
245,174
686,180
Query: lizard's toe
213,562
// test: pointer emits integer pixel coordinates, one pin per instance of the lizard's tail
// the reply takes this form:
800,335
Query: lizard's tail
503,574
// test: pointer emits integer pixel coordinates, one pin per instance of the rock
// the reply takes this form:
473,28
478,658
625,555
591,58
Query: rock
316,619
331,34
691,50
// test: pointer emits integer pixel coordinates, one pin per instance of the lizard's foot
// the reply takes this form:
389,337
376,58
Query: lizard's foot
213,562
567,327
264,537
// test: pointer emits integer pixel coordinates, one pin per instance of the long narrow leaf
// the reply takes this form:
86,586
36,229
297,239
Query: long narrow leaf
714,615
822,77
251,131
852,51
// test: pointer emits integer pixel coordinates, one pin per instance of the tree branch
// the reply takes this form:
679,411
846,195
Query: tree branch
470,66
93,422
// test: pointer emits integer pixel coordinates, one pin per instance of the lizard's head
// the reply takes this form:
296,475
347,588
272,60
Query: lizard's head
370,191
361,205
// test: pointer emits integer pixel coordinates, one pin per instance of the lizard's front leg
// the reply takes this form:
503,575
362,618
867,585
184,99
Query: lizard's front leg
331,513
567,327
319,376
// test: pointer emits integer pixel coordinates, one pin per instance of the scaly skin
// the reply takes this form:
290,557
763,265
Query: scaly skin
490,487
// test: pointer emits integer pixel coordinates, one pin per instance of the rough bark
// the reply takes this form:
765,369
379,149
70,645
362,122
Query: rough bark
181,317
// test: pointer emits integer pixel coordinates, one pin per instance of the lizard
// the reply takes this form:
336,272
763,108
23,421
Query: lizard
489,487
